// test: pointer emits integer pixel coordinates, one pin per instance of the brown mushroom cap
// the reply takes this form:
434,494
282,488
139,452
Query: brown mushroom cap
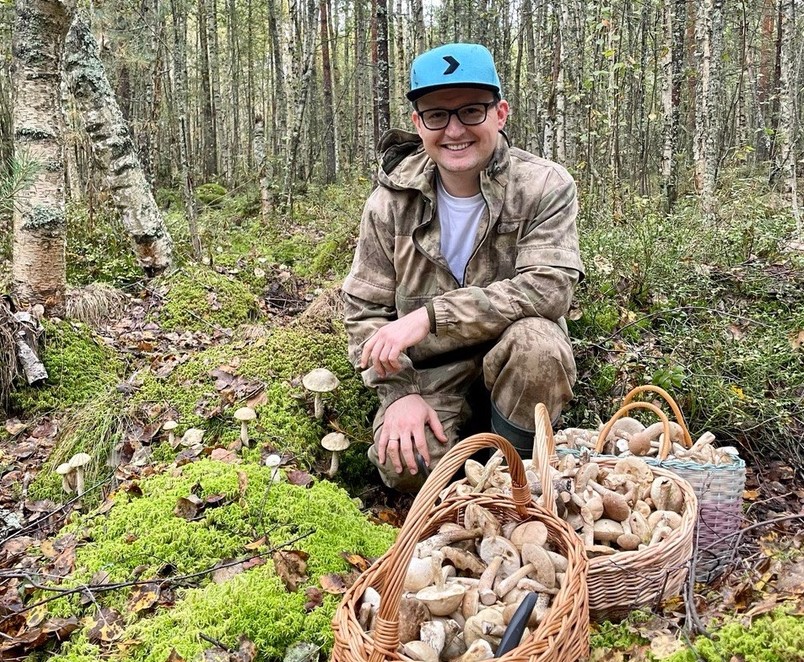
245,414
335,441
320,380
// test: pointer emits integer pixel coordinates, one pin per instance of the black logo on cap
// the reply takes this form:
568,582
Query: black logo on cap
453,65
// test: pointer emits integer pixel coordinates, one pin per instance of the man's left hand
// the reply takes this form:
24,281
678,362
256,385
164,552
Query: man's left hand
382,350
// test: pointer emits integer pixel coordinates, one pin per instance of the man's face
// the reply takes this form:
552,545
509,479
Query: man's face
458,148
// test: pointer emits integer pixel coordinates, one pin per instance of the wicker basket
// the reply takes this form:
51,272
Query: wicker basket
719,488
563,634
625,581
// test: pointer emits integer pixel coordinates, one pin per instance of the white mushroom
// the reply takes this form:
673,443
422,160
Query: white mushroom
336,443
170,427
67,477
245,415
441,599
78,462
320,381
273,461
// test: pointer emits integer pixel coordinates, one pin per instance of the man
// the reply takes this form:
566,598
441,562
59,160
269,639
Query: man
465,266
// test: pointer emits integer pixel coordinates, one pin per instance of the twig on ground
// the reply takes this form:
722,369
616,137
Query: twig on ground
102,588
215,642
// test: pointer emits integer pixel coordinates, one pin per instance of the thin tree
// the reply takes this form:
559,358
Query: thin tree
788,126
114,150
39,269
330,163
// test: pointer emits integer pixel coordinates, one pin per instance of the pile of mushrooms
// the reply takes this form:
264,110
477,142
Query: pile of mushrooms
621,508
464,584
630,437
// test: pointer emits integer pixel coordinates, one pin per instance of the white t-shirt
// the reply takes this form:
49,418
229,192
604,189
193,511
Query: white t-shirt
459,219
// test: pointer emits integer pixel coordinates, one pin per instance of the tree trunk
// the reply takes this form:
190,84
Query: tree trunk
788,125
672,67
330,164
714,108
382,90
115,152
262,168
703,35
233,142
210,157
39,269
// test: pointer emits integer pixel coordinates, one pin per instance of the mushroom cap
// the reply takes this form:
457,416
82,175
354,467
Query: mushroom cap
245,414
442,602
80,459
273,460
170,425
335,441
320,380
63,469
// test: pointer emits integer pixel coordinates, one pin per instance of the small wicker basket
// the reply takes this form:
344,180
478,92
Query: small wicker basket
719,488
563,634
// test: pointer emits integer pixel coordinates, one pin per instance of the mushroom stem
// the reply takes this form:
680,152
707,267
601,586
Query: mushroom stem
244,432
334,464
79,480
318,406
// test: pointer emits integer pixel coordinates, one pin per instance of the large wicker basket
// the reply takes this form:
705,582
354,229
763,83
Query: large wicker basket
563,634
719,488
625,581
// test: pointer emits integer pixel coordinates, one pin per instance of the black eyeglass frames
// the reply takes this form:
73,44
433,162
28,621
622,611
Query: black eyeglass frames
470,114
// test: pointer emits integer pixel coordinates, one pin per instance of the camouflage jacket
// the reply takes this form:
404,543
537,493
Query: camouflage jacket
525,261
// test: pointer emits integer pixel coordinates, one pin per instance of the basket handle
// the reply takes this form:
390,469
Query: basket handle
544,454
669,400
664,450
386,630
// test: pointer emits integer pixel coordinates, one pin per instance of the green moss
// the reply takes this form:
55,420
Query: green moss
618,636
285,420
200,299
143,531
211,194
778,637
79,368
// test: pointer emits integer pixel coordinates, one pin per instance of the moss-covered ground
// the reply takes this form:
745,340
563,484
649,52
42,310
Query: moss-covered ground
708,311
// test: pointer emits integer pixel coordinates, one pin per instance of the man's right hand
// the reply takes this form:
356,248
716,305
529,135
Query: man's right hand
403,432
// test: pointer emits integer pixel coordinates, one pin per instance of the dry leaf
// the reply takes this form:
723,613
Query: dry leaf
246,652
314,599
361,563
797,339
664,645
143,598
174,656
333,583
107,627
188,507
224,455
791,580
291,567
300,478
224,574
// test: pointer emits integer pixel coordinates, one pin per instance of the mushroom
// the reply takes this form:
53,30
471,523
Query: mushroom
369,607
169,427
607,530
482,625
245,415
78,462
666,494
273,461
499,546
615,506
544,571
419,574
478,650
67,477
442,598
529,532
412,613
476,516
336,442
418,650
434,634
320,381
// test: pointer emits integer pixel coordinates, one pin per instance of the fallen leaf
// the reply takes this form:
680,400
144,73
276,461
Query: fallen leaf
750,495
174,656
224,455
291,567
143,598
246,652
314,599
300,478
106,627
767,604
14,426
664,645
333,583
797,339
260,398
225,573
356,561
256,544
791,580
61,627
188,507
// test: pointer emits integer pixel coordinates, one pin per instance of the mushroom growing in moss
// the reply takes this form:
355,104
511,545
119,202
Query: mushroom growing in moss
78,462
170,427
67,474
336,442
320,381
245,415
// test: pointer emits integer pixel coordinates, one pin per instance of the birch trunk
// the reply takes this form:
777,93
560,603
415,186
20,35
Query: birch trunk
330,164
713,112
788,129
115,152
262,167
382,86
39,268
703,33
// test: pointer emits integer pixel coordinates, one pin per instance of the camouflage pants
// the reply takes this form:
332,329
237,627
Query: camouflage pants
530,362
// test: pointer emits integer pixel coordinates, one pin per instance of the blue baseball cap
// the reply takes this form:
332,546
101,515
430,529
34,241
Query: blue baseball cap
453,65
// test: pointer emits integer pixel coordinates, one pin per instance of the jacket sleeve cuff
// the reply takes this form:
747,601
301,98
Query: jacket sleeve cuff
431,315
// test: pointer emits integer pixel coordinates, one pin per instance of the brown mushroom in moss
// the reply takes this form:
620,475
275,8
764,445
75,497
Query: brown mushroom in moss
170,427
67,477
78,462
336,443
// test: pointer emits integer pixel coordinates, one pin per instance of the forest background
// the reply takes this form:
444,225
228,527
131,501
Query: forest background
254,123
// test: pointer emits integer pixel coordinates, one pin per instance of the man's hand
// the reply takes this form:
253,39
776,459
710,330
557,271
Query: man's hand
403,432
382,350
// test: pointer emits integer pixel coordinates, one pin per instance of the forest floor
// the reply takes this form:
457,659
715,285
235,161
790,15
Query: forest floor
58,583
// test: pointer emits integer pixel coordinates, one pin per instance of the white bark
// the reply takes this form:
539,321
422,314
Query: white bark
39,269
703,34
788,126
115,152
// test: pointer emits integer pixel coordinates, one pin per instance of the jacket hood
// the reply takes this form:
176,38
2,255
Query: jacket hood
404,164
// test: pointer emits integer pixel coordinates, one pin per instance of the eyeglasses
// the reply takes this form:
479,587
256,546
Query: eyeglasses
471,114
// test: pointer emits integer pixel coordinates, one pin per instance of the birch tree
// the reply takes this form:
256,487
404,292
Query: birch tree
788,129
38,269
114,150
